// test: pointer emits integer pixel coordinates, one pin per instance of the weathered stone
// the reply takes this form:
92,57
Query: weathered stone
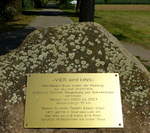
79,48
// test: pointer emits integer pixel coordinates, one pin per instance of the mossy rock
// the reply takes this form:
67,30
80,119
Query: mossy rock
74,48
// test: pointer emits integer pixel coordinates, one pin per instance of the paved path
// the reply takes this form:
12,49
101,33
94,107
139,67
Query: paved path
139,51
51,16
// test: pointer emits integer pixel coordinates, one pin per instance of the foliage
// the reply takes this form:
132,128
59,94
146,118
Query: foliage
44,2
9,13
17,4
62,2
40,3
65,4
9,8
28,4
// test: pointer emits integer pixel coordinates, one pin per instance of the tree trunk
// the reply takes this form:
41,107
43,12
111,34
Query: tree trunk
78,6
87,9
17,4
3,5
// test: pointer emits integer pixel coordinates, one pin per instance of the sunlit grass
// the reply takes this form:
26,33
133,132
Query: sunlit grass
129,26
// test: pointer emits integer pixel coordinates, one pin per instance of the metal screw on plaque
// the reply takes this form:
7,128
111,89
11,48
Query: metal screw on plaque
119,124
116,75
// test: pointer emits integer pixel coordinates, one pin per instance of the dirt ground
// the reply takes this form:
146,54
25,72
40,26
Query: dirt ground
124,7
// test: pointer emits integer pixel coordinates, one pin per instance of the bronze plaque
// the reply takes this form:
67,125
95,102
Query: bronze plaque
77,100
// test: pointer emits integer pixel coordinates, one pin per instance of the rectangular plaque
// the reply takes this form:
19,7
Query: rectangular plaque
77,100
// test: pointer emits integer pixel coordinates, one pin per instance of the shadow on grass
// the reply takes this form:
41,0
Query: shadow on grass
12,35
119,36
12,39
52,5
6,27
50,13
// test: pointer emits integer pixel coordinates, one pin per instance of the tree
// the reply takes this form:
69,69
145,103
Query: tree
9,8
17,4
62,1
78,6
40,3
87,9
106,1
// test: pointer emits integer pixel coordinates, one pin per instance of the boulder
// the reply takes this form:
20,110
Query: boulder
73,48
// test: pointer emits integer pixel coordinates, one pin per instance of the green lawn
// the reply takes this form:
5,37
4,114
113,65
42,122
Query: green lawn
127,26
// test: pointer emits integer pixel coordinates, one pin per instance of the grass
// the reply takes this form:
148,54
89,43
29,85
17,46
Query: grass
127,26
125,7
19,22
132,27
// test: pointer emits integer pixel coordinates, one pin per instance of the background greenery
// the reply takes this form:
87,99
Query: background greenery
28,4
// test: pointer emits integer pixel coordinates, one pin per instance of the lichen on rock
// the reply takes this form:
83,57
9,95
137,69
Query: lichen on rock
74,48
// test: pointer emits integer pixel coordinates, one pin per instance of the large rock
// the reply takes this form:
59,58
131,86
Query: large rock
75,48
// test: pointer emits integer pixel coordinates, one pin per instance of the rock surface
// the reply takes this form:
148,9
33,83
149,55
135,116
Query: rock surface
74,48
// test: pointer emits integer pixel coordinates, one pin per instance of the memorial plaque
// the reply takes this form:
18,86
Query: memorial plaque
80,100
